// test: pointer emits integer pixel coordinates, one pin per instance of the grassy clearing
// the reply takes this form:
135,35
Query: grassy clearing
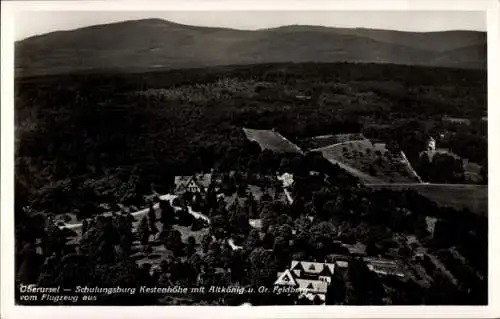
473,197
372,159
271,140
327,140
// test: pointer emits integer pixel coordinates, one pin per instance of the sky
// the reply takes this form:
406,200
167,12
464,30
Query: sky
30,23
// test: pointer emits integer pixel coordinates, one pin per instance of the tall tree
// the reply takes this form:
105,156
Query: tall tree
143,231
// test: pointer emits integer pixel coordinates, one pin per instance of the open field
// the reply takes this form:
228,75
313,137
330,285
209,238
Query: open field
271,140
321,141
373,160
365,178
458,196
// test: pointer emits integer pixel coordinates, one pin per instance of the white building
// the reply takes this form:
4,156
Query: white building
286,179
310,279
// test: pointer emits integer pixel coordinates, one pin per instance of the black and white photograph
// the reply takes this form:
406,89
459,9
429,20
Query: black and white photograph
250,158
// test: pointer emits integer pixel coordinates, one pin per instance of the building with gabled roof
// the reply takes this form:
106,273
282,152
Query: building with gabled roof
310,280
286,278
198,183
309,269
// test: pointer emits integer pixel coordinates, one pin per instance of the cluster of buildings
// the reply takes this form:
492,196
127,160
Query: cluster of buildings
308,280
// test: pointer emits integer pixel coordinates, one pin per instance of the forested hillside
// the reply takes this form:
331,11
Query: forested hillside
145,45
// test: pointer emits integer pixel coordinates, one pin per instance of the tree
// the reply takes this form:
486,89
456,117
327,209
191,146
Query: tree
365,288
268,240
285,165
442,291
167,213
211,199
205,242
423,166
371,170
262,267
336,293
218,226
281,251
372,249
173,241
393,147
190,246
269,216
238,265
242,189
85,226
152,226
253,239
238,223
332,208
321,239
70,271
191,241
251,205
285,231
143,231
195,261
184,218
99,241
225,257
54,242
151,213
266,197
197,224
123,228
29,262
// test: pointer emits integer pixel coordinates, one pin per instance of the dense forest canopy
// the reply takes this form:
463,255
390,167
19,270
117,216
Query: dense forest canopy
76,133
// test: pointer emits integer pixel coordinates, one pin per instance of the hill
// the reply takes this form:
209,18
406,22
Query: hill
159,44
440,41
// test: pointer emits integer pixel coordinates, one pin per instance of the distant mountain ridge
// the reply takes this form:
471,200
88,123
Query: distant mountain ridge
155,43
